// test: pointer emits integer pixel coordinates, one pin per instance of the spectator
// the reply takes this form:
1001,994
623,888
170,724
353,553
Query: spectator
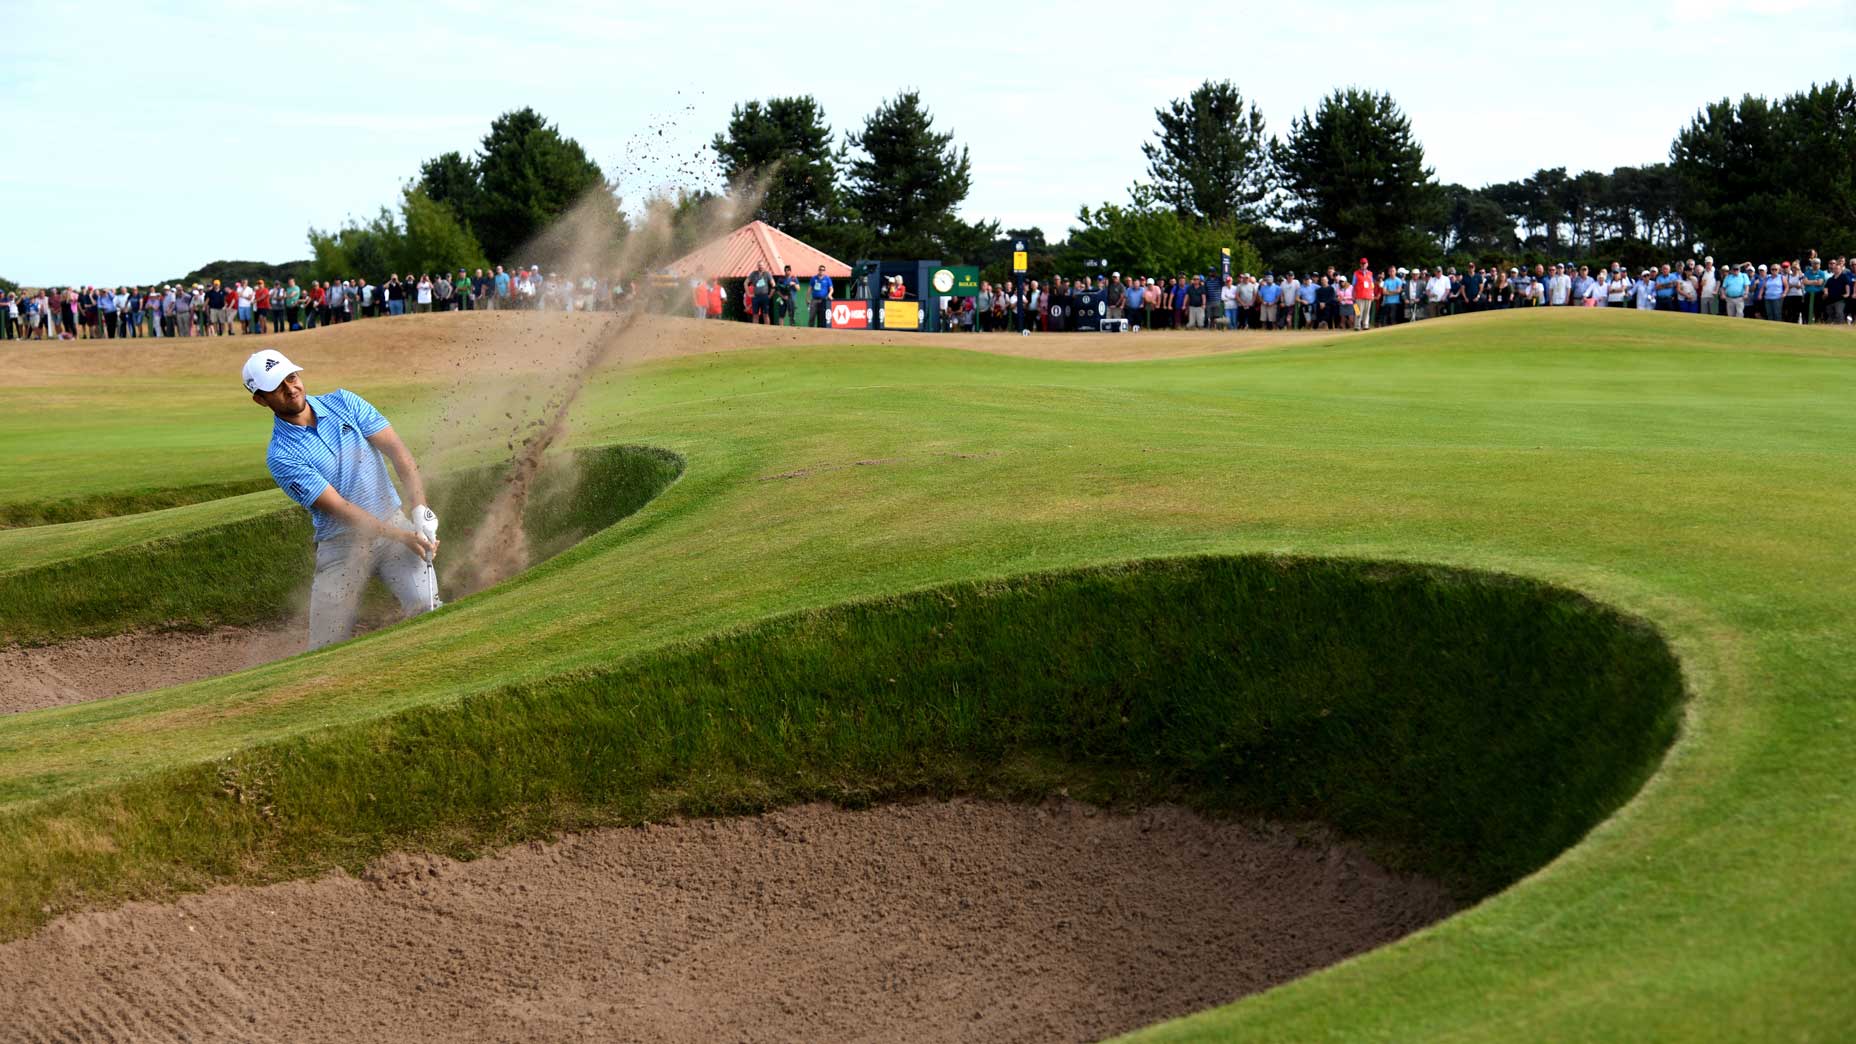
820,293
1392,296
1665,282
1645,290
1559,287
1248,296
758,289
1734,287
786,300
1617,288
1364,292
1837,286
1688,293
1772,292
1308,302
1195,303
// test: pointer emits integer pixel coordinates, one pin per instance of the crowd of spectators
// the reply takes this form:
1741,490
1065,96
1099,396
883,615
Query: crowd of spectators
1799,291
216,310
1807,291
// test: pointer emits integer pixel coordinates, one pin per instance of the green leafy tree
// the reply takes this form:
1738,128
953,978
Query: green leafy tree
229,271
424,237
8,286
1474,224
1356,179
1151,239
786,142
355,248
432,239
1211,158
908,182
452,179
1765,179
528,174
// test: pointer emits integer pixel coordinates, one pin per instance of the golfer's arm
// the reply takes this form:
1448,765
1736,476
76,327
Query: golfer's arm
333,503
387,441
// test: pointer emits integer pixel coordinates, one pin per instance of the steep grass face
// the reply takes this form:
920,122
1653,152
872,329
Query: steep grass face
1472,725
125,502
255,570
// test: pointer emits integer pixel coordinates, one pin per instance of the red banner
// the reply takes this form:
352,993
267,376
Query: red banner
850,315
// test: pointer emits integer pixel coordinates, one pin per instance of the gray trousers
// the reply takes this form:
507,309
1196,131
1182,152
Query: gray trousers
343,566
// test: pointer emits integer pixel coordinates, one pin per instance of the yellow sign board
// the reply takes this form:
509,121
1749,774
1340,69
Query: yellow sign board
902,315
1020,261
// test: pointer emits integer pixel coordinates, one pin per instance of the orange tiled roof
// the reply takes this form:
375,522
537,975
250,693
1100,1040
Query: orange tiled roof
734,255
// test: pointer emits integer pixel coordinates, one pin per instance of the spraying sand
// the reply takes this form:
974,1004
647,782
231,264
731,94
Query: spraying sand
935,922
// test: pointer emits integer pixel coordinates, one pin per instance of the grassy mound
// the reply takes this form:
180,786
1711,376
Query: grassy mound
1691,472
1472,725
123,502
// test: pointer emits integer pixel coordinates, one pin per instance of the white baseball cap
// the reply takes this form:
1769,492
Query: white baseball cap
265,370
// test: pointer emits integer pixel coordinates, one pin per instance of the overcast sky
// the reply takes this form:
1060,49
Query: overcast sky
150,138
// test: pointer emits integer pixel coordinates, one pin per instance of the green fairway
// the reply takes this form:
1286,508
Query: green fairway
891,571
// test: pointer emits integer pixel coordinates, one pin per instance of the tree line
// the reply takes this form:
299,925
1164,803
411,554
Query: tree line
891,188
1755,178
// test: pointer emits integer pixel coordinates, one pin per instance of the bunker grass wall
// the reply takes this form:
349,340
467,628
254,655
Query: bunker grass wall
1467,725
257,570
128,502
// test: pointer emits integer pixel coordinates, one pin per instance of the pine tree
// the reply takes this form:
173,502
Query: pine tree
786,142
1764,179
1357,182
1211,160
908,182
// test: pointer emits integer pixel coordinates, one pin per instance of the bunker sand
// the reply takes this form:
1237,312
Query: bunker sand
928,922
32,677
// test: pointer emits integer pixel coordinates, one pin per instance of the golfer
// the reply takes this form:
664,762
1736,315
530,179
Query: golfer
326,455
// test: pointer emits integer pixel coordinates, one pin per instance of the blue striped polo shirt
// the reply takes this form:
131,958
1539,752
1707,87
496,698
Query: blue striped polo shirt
334,451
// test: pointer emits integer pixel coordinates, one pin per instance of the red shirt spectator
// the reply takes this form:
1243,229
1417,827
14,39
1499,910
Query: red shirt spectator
1363,282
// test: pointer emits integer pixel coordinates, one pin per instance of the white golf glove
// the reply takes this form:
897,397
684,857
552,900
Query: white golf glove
425,522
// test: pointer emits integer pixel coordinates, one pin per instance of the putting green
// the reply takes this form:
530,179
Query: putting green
1690,473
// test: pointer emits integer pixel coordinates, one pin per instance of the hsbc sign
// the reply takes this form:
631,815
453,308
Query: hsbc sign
850,315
